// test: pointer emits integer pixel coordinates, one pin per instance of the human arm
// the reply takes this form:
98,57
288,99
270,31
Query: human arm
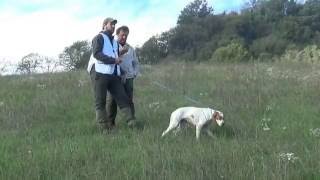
97,46
135,63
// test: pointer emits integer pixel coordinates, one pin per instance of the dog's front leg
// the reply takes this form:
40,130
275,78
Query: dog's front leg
198,130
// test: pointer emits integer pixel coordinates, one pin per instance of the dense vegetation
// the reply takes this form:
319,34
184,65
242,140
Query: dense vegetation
262,30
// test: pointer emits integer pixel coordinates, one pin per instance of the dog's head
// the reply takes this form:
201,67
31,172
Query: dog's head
218,117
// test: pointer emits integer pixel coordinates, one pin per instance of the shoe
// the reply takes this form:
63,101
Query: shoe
132,123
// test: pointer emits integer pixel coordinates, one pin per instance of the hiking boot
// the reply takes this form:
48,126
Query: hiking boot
101,117
129,117
132,124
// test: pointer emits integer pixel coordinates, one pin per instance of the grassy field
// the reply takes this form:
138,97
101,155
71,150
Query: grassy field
272,131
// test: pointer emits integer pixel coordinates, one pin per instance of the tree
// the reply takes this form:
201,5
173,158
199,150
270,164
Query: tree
311,7
49,65
29,63
3,67
196,9
76,56
152,51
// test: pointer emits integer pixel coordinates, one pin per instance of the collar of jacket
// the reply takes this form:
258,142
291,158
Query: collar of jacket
108,34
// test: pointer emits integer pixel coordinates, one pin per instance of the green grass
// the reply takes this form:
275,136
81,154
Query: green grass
47,127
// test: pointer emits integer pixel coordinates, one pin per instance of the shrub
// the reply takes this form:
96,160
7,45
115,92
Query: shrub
310,54
233,52
271,44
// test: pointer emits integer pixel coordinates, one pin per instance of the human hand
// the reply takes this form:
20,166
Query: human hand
123,50
118,61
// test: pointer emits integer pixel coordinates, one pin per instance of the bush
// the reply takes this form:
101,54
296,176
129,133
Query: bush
310,54
233,52
271,44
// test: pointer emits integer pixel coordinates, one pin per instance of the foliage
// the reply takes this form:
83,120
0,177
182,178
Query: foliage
310,54
196,9
271,44
265,28
153,50
29,63
234,52
76,56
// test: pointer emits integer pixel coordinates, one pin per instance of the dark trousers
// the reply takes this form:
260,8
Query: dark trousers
109,83
93,78
112,104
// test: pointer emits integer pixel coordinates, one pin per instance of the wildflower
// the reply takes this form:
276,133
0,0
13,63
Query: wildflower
315,132
41,86
266,128
290,157
1,103
268,108
154,105
81,83
284,128
266,120
269,71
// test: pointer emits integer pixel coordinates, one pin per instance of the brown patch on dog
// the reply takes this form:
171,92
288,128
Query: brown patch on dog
215,115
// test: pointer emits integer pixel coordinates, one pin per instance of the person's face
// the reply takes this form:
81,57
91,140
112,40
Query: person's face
122,37
110,27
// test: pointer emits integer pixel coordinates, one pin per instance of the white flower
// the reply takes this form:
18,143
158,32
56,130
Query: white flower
1,103
269,71
268,108
266,119
315,132
41,86
81,82
154,105
288,156
266,129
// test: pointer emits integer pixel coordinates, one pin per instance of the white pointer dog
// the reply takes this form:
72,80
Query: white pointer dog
199,117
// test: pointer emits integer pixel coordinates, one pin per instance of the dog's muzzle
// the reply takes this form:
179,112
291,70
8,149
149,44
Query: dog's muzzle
220,122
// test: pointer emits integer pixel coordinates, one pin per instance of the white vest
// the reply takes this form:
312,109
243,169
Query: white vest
108,50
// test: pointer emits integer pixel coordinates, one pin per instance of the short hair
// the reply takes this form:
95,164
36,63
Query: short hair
122,28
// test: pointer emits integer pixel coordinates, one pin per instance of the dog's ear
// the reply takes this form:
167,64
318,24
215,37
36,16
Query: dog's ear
215,115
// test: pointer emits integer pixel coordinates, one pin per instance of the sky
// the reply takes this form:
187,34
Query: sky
46,27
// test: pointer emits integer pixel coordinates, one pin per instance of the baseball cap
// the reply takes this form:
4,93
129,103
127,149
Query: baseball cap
109,19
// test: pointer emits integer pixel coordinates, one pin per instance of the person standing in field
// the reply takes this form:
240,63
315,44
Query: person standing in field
130,68
105,74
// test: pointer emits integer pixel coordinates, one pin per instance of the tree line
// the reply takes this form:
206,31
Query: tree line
261,30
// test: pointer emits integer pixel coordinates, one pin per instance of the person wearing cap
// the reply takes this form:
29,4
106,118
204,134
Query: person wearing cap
105,74
130,68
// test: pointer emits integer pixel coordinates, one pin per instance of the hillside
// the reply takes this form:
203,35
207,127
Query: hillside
260,31
272,131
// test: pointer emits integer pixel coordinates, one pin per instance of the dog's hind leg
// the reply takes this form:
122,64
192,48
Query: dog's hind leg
173,124
177,129
166,131
171,127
